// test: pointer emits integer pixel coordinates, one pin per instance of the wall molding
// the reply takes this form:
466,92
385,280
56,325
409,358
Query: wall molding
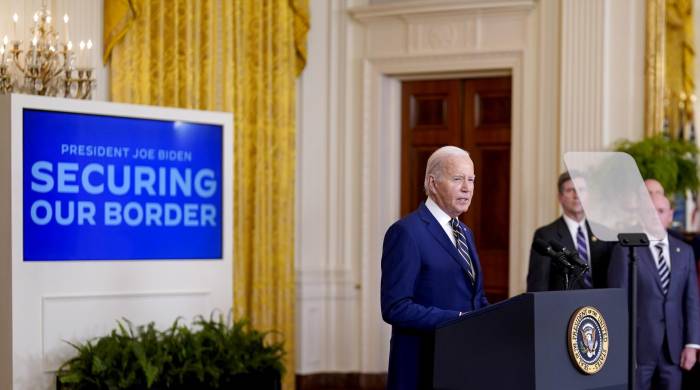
582,56
326,284
427,7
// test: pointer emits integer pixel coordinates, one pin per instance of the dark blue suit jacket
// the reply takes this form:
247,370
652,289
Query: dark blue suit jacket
424,284
676,315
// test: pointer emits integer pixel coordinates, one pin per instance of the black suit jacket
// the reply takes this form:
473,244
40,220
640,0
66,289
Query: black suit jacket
542,276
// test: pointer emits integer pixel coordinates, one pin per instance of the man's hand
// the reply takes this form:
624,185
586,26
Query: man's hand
688,358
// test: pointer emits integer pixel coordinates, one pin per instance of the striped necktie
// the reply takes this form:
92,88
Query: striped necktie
582,249
461,243
664,273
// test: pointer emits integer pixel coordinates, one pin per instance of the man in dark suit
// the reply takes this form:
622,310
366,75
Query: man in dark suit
574,232
668,312
430,269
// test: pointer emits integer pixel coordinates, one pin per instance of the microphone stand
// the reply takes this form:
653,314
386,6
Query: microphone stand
558,259
631,241
571,270
566,269
577,277
572,264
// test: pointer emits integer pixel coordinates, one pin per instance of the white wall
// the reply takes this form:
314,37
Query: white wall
85,23
623,70
328,309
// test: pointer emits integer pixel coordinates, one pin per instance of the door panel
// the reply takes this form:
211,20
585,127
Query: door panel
487,123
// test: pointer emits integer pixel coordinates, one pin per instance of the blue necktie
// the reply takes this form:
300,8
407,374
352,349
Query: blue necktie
582,249
462,248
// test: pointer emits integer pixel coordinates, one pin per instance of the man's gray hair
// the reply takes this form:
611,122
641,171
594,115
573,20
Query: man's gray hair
434,165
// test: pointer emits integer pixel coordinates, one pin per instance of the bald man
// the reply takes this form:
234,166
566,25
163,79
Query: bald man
668,306
430,269
654,187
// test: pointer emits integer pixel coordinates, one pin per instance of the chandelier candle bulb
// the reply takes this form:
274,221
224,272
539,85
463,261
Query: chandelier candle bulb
15,19
4,48
65,28
88,46
81,54
34,42
67,60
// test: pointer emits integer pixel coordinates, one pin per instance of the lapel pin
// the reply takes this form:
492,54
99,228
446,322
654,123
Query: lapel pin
678,250
594,238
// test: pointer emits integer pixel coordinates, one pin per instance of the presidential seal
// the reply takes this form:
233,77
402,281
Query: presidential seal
588,340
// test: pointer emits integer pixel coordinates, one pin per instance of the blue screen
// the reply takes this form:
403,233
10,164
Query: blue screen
115,188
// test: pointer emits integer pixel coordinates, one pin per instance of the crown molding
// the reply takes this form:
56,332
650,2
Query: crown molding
423,7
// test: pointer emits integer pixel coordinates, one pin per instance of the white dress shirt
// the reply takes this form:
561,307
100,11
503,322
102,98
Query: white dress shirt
573,230
442,218
655,252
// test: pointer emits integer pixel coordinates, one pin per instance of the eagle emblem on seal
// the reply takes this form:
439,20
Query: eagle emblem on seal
587,339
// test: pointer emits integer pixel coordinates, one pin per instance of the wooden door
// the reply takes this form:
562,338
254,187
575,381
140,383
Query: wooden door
474,114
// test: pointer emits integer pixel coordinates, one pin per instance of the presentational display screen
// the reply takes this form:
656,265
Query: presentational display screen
115,188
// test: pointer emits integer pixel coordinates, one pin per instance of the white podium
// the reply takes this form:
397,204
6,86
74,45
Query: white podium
107,211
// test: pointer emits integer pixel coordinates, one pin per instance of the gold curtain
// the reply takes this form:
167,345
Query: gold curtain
669,66
654,67
679,80
242,57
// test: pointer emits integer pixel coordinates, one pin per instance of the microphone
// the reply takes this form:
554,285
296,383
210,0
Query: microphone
545,249
572,256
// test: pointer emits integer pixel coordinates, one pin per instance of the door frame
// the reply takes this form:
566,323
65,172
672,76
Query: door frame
381,144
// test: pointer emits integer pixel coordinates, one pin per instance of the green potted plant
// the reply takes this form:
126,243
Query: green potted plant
670,161
211,354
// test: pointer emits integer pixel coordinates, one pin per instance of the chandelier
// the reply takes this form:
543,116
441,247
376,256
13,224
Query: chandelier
48,65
